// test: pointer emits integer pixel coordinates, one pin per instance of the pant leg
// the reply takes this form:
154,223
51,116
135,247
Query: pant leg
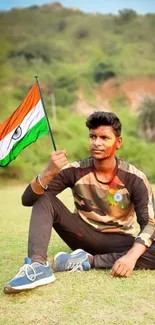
146,261
47,212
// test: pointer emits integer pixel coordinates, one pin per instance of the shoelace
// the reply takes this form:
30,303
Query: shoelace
74,266
25,268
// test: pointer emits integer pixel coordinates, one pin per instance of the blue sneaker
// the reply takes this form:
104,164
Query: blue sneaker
30,276
76,261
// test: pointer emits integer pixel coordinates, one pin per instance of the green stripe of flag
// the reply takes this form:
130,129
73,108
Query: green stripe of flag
32,135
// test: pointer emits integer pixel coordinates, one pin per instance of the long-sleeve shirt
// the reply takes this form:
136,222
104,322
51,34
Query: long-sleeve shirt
108,207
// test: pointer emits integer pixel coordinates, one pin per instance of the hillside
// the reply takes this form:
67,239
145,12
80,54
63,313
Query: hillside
70,50
85,62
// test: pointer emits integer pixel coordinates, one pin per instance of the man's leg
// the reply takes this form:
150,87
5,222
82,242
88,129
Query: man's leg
106,261
50,212
37,270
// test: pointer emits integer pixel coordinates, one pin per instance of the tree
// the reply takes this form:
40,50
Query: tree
146,119
126,15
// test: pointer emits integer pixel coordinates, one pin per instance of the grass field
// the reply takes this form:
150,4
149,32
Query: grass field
74,298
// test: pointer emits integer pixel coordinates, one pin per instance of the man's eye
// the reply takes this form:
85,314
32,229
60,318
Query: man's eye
17,134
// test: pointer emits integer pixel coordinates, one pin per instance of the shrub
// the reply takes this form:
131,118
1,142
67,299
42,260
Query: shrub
64,97
36,50
102,72
127,15
61,25
82,32
146,119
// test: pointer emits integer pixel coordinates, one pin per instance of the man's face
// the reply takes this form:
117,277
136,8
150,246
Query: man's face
103,142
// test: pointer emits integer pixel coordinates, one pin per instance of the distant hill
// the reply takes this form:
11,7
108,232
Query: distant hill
72,50
84,62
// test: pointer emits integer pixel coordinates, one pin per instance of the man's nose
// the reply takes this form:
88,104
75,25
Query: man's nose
98,141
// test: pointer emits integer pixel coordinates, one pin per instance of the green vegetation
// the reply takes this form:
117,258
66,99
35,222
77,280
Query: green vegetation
146,119
71,134
71,52
74,298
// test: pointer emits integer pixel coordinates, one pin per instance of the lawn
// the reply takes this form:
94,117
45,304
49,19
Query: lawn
74,298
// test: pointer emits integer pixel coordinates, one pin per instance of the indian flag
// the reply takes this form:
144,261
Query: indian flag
23,127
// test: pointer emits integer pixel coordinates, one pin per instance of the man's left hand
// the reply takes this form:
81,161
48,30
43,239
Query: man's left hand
123,267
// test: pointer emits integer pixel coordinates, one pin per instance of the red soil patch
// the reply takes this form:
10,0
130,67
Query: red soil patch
133,90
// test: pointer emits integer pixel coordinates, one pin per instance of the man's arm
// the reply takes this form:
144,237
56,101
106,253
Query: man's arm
40,184
144,207
124,266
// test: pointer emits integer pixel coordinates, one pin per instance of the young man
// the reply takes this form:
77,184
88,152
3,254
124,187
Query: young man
107,192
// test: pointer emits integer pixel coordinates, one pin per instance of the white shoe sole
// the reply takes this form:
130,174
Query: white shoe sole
41,282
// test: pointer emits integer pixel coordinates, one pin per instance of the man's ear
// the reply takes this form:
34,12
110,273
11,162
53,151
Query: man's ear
119,143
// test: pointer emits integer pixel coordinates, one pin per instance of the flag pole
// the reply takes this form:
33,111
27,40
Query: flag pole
50,130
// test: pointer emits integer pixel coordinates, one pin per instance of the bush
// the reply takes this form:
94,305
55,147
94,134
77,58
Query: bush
64,97
36,50
146,119
102,72
61,25
66,81
126,15
82,32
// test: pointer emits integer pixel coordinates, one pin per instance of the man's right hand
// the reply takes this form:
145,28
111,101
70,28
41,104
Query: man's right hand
57,161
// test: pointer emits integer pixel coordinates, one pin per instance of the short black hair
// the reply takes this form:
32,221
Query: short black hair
104,118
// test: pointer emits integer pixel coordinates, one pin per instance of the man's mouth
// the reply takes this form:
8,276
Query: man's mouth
97,150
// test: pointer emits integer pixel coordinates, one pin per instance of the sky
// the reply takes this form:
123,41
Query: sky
108,6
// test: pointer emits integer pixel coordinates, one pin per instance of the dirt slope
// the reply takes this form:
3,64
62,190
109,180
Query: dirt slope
132,91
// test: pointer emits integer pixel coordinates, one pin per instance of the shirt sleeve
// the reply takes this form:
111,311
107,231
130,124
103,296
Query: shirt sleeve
143,201
66,178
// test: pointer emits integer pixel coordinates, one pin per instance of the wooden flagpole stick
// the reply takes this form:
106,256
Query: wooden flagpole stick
50,130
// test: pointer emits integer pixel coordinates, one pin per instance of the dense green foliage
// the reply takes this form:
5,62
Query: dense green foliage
71,50
71,134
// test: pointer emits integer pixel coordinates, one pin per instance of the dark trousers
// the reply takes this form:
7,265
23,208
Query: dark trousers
49,212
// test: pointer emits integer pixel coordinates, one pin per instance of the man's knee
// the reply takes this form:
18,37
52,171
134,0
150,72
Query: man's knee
45,200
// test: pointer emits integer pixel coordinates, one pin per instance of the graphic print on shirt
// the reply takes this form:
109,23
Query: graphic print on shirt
101,205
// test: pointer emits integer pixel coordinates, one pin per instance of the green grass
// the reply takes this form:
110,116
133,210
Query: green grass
74,298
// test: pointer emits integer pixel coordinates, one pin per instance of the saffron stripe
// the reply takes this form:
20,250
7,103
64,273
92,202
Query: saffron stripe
33,117
17,117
